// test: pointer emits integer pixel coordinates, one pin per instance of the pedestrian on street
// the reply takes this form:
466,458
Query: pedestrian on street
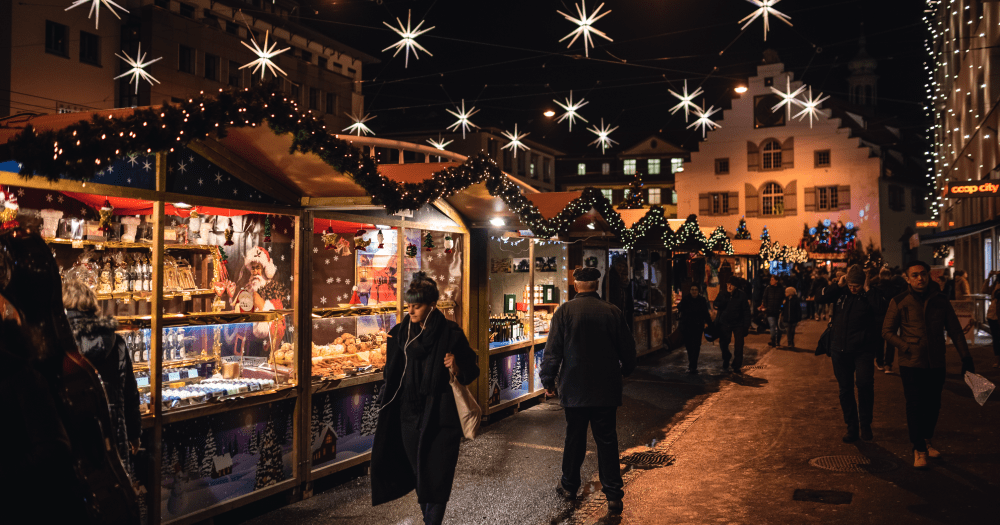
992,288
590,349
770,304
805,290
818,284
693,311
886,290
733,321
418,431
962,288
853,338
921,315
791,314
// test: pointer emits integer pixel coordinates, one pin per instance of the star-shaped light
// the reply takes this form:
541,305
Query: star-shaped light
704,120
463,118
585,27
95,8
810,107
570,107
788,97
265,55
359,126
138,71
765,8
407,37
686,100
603,139
440,143
515,140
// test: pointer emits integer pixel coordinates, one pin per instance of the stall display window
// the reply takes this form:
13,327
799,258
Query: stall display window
550,283
510,290
439,255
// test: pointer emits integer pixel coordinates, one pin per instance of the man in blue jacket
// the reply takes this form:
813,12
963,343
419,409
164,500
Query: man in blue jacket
591,343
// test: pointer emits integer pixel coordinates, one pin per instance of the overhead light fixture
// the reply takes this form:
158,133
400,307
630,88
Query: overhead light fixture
741,89
182,205
549,113
497,221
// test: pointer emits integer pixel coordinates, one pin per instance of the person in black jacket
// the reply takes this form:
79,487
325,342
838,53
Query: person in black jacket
816,290
855,334
733,321
694,315
791,314
886,290
96,338
418,432
770,304
589,349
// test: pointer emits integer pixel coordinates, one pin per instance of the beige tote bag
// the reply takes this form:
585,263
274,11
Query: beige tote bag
469,413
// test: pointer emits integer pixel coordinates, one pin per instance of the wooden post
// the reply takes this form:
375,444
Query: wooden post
530,323
400,273
479,331
302,303
156,340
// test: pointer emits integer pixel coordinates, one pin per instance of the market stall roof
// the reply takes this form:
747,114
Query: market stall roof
551,203
957,233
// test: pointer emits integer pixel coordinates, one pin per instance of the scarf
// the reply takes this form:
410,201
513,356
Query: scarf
424,350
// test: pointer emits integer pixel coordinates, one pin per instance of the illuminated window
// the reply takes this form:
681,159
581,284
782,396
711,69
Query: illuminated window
720,203
772,199
676,165
826,197
654,195
581,169
607,194
629,167
771,155
605,168
653,166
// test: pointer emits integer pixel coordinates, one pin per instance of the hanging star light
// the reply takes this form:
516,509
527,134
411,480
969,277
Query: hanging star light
571,107
407,37
584,26
95,8
603,139
810,107
264,57
440,143
788,97
686,100
515,140
704,120
765,8
358,125
463,118
138,70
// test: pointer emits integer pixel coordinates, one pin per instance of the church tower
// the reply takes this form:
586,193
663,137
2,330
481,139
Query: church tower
863,82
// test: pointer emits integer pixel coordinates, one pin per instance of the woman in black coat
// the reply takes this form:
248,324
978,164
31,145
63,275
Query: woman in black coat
694,315
418,432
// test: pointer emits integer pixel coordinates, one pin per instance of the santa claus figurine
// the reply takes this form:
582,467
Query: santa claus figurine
268,294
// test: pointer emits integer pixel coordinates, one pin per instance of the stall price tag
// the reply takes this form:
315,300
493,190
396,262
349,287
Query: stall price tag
142,381
77,244
186,296
192,373
126,299
99,247
174,376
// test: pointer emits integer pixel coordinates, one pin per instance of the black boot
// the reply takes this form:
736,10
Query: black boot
851,436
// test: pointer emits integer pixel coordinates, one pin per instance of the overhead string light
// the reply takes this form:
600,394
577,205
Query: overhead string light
95,9
704,120
585,27
603,133
440,143
138,70
764,9
788,97
358,127
463,118
571,109
686,100
810,107
408,38
515,141
265,56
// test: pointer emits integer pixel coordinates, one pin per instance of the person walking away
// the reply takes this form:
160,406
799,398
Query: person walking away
589,350
816,290
854,335
805,291
733,321
921,315
962,288
791,314
96,338
770,304
694,315
992,288
418,432
886,290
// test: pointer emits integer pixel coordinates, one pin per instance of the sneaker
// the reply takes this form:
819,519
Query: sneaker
931,451
615,506
565,494
888,369
919,460
866,434
850,437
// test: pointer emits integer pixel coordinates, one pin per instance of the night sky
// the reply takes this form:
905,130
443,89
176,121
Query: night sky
505,59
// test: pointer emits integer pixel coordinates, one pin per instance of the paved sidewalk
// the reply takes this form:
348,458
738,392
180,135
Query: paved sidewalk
740,457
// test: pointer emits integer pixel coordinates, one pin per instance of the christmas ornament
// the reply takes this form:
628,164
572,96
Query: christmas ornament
343,247
603,140
228,232
329,239
8,215
788,97
95,7
704,120
265,55
358,125
138,66
449,244
571,107
411,250
407,38
381,240
194,224
585,26
359,240
267,228
439,143
106,214
463,118
765,8
942,251
515,141
810,107
428,242
50,222
354,296
686,100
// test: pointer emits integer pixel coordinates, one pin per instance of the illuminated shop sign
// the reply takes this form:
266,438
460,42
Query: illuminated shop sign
961,190
927,224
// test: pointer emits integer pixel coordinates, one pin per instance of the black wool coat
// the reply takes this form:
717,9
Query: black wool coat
856,324
734,310
440,431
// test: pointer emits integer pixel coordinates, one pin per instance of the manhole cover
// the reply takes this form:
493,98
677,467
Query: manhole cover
852,464
833,497
648,460
753,367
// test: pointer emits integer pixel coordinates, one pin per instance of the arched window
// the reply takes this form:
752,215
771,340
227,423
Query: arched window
771,155
772,199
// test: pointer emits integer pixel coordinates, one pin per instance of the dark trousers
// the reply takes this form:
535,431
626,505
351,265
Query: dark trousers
692,343
810,309
995,333
433,512
727,334
885,354
859,369
603,424
922,389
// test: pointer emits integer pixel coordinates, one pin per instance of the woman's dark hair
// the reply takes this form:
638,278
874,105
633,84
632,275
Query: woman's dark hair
422,290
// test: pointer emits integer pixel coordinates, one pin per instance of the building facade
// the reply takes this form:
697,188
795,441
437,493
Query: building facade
52,60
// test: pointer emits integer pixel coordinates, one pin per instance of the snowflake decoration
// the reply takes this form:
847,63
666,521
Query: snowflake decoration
201,181
48,197
603,139
585,26
765,8
322,300
439,143
340,329
265,55
463,118
407,38
59,199
810,107
336,258
358,125
146,166
218,178
95,7
788,97
686,100
329,280
571,107
132,159
315,249
704,120
515,140
138,72
347,282
182,167
338,280
326,261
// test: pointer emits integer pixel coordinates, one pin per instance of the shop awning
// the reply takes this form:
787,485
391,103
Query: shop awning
958,233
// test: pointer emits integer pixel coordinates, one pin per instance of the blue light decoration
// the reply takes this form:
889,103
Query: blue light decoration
850,226
812,231
826,222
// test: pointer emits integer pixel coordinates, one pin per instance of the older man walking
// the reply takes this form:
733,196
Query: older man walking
591,343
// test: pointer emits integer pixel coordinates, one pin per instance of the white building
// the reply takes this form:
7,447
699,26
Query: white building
783,173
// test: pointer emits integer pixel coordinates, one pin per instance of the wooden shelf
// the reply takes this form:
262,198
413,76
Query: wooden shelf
351,311
201,319
511,347
186,295
177,363
112,245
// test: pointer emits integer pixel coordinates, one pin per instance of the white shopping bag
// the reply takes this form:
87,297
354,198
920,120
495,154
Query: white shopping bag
981,387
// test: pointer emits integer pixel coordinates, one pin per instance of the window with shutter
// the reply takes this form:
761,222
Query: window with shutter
843,197
810,198
753,156
703,204
791,198
750,200
788,153
734,207
770,158
772,199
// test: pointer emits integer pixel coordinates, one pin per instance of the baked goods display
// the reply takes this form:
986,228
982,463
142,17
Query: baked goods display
345,354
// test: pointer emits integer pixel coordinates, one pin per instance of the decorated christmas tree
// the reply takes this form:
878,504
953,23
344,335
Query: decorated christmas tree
515,379
765,235
370,417
270,469
315,423
633,195
742,233
210,450
252,447
191,464
428,242
289,430
719,241
267,228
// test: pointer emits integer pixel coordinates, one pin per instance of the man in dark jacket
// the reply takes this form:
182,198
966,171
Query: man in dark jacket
887,290
921,315
733,321
591,343
854,336
818,284
770,304
694,315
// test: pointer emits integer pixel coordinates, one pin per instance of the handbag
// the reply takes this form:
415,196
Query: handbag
823,347
470,415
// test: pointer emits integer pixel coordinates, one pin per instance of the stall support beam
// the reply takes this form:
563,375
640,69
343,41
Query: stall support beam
156,341
530,322
479,301
400,264
302,299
